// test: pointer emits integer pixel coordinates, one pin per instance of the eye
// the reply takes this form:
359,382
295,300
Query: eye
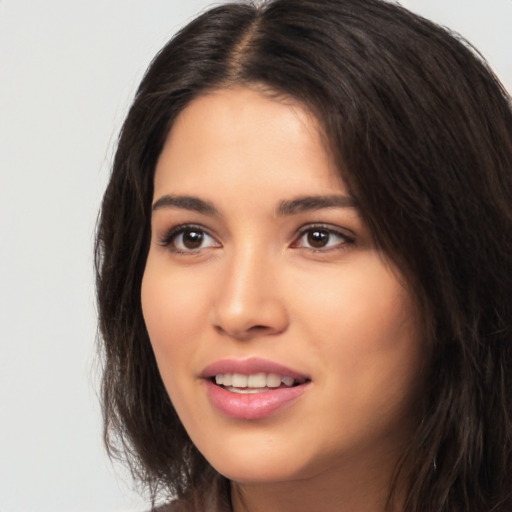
188,239
321,237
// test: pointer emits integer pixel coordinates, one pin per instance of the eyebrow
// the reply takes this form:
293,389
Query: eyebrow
186,203
288,207
312,203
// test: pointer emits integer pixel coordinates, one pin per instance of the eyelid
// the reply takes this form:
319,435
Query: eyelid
346,234
167,237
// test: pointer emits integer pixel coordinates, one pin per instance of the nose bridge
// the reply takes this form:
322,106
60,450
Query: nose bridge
248,299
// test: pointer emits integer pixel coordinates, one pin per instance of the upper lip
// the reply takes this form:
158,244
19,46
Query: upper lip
251,366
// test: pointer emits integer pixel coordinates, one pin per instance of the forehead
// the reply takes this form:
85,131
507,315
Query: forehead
243,134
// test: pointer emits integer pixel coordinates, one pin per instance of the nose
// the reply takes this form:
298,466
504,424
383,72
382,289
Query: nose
248,301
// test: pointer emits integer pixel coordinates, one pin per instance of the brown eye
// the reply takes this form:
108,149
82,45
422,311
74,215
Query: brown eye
318,238
192,238
188,239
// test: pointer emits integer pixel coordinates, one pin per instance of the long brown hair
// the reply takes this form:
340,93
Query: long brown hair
422,133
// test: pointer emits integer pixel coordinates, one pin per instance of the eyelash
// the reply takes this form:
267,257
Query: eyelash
169,238
327,229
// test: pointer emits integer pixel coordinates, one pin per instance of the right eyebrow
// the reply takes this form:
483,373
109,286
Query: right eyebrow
311,203
186,203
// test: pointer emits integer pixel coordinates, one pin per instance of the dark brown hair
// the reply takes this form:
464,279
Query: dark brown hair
422,134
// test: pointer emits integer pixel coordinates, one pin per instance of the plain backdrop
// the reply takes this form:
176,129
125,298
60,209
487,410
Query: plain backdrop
68,71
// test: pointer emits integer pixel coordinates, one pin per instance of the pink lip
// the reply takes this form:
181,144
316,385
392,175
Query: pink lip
251,406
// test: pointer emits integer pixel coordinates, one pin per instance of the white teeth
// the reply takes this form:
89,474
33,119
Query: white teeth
239,381
246,391
288,381
256,381
273,380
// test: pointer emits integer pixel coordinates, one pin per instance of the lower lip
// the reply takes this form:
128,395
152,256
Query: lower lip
252,406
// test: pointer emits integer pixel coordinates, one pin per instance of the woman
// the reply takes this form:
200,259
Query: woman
305,266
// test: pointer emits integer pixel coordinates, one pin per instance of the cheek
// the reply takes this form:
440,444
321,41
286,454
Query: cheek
362,308
175,308
172,312
172,300
364,328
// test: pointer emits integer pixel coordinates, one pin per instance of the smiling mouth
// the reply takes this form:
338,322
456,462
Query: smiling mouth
253,388
255,383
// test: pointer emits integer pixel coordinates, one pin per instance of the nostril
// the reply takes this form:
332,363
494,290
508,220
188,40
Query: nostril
243,333
244,323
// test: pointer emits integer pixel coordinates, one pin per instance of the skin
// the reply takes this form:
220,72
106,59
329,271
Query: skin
256,287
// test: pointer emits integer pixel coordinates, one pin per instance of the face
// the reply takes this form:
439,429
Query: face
287,342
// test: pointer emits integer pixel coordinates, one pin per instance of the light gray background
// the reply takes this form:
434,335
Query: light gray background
68,70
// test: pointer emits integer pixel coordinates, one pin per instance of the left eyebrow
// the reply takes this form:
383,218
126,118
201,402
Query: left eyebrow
311,203
185,203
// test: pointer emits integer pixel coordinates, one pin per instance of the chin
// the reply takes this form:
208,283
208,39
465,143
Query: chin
262,466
